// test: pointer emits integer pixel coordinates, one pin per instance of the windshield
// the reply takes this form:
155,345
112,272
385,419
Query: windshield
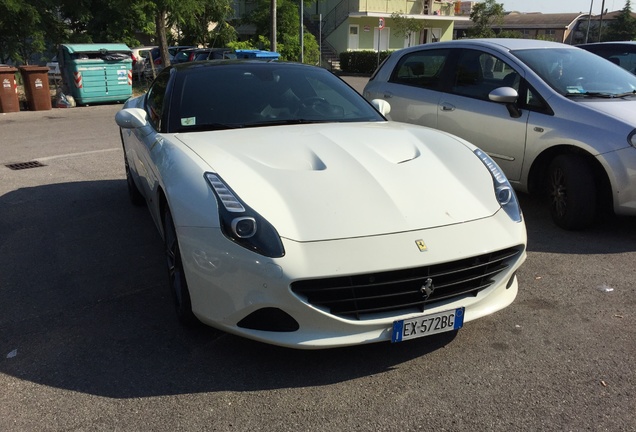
576,72
249,94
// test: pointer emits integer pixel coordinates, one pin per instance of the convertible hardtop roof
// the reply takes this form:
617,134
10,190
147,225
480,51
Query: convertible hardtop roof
240,62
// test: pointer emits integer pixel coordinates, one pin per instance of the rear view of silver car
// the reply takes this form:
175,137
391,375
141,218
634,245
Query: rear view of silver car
557,119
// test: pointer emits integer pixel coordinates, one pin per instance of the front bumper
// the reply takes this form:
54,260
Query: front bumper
621,168
228,283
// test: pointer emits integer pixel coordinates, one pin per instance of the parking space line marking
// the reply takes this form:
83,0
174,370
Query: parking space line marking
77,154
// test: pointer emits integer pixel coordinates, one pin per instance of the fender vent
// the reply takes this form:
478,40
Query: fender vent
24,165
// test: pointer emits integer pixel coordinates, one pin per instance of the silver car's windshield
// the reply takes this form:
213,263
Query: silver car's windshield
574,72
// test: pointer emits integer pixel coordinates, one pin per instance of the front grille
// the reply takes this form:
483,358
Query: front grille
359,295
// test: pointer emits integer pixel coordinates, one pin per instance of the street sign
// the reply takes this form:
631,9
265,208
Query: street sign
381,23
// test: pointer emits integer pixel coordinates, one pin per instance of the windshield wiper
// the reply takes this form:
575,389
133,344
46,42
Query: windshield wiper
287,122
603,95
620,95
208,127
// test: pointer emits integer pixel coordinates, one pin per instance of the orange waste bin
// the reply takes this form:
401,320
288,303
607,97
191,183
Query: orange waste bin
8,90
36,87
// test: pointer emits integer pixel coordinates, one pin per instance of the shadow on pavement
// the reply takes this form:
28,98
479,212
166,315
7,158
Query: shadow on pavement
86,307
609,235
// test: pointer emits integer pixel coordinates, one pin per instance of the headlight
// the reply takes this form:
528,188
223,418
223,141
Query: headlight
503,190
243,225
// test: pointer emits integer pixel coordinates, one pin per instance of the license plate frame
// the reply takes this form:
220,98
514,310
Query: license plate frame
427,325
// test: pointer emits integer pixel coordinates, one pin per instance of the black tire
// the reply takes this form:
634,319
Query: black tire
572,192
136,198
176,274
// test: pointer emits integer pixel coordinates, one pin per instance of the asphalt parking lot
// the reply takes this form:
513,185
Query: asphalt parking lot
89,339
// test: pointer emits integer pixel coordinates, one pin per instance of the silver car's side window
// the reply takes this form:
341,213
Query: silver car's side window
478,73
421,69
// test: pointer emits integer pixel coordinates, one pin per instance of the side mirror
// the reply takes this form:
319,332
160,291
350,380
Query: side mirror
131,118
507,96
382,106
504,95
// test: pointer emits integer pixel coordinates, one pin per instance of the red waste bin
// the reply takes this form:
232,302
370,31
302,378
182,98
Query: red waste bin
36,87
8,90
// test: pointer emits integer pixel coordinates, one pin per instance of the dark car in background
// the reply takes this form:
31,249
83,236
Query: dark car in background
185,55
174,50
155,57
213,54
620,53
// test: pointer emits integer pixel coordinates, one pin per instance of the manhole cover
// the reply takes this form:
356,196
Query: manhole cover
24,165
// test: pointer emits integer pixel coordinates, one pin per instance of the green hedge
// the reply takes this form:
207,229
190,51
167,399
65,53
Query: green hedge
362,62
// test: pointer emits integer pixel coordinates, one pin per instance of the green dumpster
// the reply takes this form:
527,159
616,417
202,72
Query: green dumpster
96,73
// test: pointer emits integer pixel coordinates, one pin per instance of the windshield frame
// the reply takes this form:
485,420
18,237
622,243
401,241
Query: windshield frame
247,94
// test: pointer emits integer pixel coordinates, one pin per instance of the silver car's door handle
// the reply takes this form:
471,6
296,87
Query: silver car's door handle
388,95
447,107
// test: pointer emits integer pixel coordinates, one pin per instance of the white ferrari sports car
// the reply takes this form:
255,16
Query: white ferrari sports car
294,213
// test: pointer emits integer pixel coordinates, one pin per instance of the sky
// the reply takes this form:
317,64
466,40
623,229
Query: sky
567,6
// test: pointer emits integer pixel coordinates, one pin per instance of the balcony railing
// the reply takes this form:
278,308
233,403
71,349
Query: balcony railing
339,14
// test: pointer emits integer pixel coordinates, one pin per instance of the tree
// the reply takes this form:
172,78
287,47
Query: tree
287,30
22,34
485,16
95,21
623,27
406,27
196,30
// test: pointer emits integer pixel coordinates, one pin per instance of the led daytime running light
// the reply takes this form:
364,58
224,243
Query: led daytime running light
230,202
494,169
503,190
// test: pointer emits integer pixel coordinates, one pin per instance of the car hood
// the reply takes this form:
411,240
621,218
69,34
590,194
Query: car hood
332,181
623,109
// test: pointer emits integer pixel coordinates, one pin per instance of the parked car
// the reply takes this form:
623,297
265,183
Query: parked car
556,118
178,48
154,63
184,55
139,56
293,213
54,69
212,54
620,53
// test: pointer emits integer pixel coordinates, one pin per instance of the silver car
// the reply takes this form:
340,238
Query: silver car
556,118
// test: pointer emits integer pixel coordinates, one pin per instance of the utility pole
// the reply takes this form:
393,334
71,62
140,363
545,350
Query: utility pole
600,25
589,19
273,30
302,33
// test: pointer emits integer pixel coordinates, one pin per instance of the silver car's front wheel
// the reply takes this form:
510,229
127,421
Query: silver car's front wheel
572,192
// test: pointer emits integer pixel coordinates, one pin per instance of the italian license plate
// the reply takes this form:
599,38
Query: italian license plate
427,325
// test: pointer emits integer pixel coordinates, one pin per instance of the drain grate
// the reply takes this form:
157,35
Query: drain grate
24,165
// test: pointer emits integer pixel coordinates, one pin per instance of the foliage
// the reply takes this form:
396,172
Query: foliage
241,45
22,32
362,62
405,27
546,37
194,23
287,31
485,15
94,21
39,26
623,27
512,34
